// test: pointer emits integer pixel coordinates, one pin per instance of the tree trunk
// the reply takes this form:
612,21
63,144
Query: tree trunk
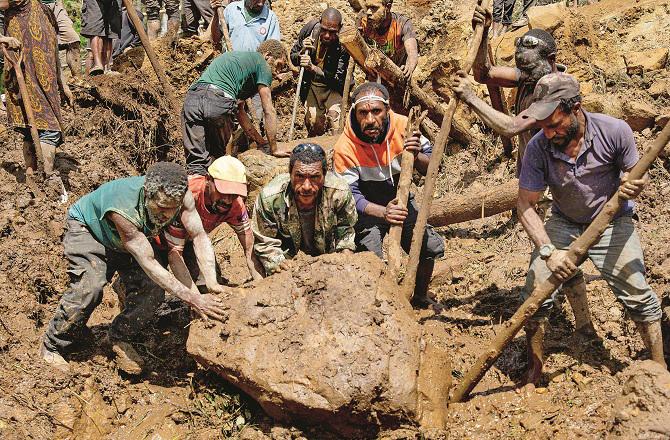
453,208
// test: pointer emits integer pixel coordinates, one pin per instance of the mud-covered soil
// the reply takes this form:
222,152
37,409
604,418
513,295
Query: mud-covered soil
122,123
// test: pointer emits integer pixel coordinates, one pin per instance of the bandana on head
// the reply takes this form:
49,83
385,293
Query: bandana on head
370,98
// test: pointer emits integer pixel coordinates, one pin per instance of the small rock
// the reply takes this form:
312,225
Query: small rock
662,120
55,229
23,200
614,312
660,88
639,115
548,17
639,62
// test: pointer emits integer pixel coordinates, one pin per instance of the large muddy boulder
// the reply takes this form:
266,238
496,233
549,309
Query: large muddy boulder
643,409
328,342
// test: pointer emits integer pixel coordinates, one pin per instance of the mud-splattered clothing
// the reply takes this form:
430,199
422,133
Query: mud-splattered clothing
122,196
33,24
175,234
391,42
276,221
91,265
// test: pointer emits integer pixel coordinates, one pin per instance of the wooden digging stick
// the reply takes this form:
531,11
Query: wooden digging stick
406,169
296,100
348,80
433,167
576,253
226,45
160,72
27,106
497,103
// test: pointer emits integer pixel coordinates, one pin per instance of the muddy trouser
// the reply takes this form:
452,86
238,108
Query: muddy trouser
370,233
320,103
153,8
193,11
90,267
618,257
502,10
208,112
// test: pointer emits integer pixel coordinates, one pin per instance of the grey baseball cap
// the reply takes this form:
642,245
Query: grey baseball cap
549,91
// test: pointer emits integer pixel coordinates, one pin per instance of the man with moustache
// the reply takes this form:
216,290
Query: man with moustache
584,159
367,155
309,209
325,70
250,23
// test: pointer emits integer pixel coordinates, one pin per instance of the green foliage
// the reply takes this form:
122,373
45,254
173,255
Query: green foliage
73,8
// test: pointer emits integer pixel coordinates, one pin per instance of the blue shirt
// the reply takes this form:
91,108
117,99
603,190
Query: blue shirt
580,187
248,36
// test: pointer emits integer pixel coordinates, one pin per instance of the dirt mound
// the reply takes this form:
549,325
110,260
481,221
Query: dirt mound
642,410
334,346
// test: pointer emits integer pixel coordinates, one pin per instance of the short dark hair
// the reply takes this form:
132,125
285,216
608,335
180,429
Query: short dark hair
169,177
332,14
566,105
274,48
369,87
308,153
549,46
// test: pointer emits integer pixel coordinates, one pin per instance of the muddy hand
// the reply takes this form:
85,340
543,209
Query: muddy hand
11,42
482,16
460,84
560,265
408,69
630,189
413,143
394,214
209,306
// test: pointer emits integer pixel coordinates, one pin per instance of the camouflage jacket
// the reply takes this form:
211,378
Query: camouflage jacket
276,222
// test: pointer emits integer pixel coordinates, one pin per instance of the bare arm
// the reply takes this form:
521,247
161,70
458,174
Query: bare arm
180,270
502,124
412,49
530,219
247,241
270,118
138,246
202,246
248,126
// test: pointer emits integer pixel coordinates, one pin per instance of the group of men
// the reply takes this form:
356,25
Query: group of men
140,225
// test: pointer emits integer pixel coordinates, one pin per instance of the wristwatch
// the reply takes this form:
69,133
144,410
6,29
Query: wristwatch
546,250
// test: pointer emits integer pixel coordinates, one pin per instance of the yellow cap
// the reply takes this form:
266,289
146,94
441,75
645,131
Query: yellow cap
230,175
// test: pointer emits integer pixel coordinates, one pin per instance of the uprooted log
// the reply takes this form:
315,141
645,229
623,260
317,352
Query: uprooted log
334,346
450,209
576,254
374,62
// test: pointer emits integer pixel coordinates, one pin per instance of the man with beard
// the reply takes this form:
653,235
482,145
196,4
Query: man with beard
535,57
584,159
219,198
309,209
218,96
367,155
392,33
107,232
325,70
250,22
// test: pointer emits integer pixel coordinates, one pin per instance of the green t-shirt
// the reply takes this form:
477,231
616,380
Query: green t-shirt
123,196
238,73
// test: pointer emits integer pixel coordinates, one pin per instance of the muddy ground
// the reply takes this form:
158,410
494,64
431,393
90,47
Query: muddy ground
121,124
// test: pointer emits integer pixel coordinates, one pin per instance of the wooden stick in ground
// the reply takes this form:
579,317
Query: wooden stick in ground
406,169
497,103
576,253
433,167
348,80
27,106
226,45
296,100
160,72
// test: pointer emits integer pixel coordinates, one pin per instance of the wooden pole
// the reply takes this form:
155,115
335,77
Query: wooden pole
160,72
348,80
375,63
433,167
406,170
497,103
296,100
576,254
226,45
